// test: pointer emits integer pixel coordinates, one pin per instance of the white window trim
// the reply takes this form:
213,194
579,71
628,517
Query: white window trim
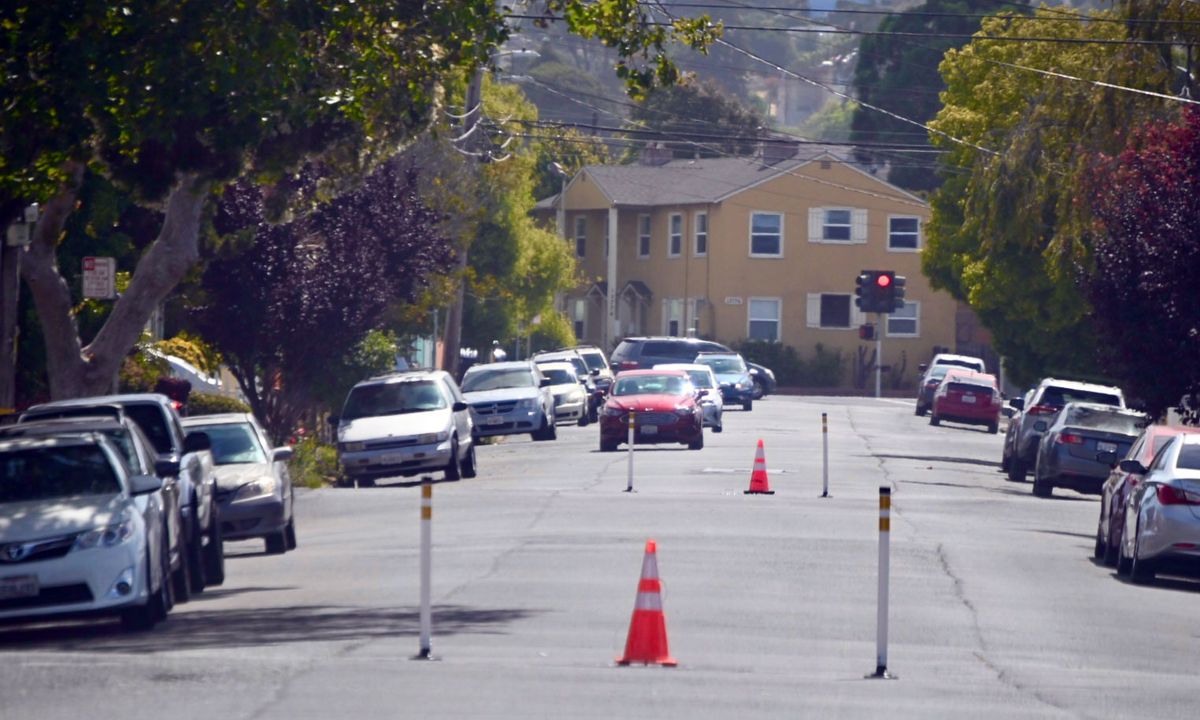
813,312
672,235
750,234
778,320
858,226
648,237
580,234
916,319
696,233
920,233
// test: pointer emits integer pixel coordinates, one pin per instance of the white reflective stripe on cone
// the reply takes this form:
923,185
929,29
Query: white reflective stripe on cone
648,601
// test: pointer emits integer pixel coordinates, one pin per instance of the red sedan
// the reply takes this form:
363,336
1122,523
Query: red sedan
1110,530
665,406
969,397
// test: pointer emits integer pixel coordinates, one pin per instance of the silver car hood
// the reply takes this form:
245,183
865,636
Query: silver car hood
39,519
231,477
385,426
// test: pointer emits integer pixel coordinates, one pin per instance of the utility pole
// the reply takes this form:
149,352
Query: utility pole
18,235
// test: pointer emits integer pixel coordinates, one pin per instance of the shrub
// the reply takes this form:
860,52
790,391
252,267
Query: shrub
826,368
313,463
141,372
210,404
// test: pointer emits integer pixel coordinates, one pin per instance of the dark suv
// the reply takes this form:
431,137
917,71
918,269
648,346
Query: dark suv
646,352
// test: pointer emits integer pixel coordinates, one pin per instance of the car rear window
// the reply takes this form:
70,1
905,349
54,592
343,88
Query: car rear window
968,387
594,360
559,377
47,473
1189,457
681,350
1057,397
150,419
485,379
1106,420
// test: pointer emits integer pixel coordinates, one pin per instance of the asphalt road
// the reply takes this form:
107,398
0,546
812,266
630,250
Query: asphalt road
997,610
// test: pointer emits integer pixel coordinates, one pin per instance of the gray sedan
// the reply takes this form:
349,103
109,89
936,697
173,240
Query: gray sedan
254,489
1082,445
1162,517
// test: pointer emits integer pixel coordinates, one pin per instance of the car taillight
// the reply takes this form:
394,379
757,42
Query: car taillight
1069,439
627,365
1171,495
1043,410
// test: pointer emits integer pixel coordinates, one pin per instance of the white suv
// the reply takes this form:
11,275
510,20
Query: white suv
405,424
1038,408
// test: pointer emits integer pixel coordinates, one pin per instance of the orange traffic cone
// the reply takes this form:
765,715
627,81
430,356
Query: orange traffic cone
647,642
759,485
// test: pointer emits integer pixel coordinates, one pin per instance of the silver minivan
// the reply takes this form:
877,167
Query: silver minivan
510,398
404,424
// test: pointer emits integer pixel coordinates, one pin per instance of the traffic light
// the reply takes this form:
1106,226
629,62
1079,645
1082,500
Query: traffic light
862,283
866,331
898,283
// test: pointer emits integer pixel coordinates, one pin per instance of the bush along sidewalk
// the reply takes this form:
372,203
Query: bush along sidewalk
314,464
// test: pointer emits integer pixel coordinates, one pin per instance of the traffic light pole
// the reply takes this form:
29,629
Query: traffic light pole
879,323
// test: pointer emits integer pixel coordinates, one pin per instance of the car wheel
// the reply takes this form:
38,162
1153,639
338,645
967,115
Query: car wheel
919,411
1101,548
994,428
147,615
453,471
718,428
607,446
758,390
468,467
214,553
1042,487
1016,470
698,443
1116,535
276,543
344,481
290,532
1141,571
583,420
934,420
195,559
748,405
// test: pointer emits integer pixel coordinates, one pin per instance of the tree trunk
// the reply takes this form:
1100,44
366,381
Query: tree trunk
77,371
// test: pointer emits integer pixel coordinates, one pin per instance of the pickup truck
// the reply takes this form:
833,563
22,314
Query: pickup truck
187,454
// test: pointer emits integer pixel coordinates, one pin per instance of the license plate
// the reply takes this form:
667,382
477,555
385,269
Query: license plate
18,586
392,459
1106,447
497,420
648,429
968,399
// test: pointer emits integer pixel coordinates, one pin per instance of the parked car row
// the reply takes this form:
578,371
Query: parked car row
116,505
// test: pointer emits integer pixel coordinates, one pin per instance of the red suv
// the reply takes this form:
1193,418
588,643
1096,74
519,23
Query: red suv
969,397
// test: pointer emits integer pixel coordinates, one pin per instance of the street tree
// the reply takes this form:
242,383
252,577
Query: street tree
696,118
1146,248
1007,233
171,99
287,304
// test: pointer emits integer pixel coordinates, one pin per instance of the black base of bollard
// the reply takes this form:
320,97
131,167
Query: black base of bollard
825,495
881,673
425,654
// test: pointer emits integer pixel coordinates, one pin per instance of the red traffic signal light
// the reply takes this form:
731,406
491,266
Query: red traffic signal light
883,280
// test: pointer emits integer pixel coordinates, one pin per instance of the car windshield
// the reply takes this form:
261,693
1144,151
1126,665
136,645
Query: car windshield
700,378
594,360
47,473
1101,419
723,364
233,443
500,379
1189,457
393,398
652,385
1057,397
560,377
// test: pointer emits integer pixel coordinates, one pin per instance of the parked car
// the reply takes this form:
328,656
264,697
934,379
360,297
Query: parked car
1013,410
963,361
1040,404
764,379
569,390
79,534
159,419
928,385
141,459
1162,517
711,402
510,398
665,406
254,488
646,352
587,376
733,376
969,397
404,424
597,363
1081,446
1114,495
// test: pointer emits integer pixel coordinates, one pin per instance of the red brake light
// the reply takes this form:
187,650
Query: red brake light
1069,439
1171,495
627,365
1043,410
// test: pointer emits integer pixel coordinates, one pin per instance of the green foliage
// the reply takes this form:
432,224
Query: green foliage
1007,231
825,368
554,331
831,122
314,464
213,404
374,355
707,121
141,372
193,350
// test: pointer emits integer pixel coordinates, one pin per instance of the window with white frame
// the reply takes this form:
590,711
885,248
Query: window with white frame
643,236
673,316
695,305
905,322
701,231
580,236
764,314
832,311
904,233
766,234
837,225
675,236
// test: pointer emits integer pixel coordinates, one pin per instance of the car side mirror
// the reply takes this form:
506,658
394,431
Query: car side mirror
1107,457
1040,426
143,484
459,406
196,441
1018,403
332,420
1008,411
281,453
166,467
922,367
1132,466
545,382
703,392
596,372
